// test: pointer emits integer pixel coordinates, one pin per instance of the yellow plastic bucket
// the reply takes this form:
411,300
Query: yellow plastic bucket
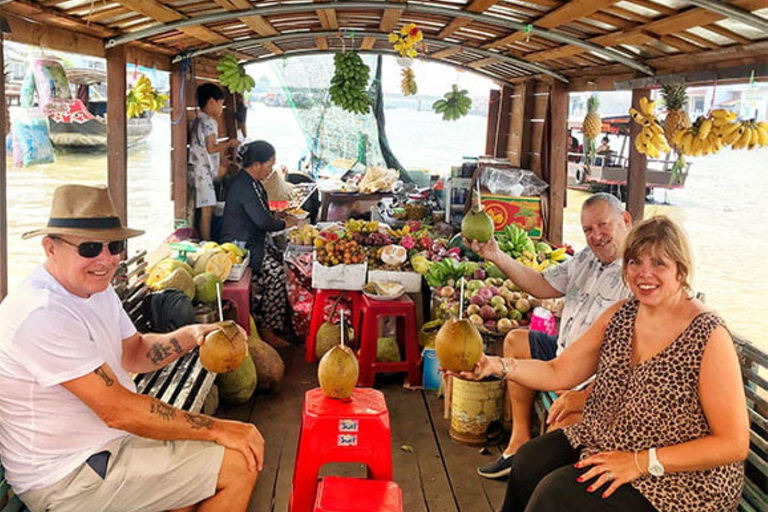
474,406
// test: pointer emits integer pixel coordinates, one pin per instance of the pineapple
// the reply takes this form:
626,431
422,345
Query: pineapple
677,119
591,127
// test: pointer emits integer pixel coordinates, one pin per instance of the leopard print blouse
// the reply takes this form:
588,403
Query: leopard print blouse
656,403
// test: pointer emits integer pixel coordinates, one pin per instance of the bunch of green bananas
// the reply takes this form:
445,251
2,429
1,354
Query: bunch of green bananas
232,75
515,241
408,83
143,96
348,85
455,105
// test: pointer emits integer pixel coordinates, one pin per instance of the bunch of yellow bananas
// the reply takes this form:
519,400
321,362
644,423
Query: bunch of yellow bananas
699,139
361,226
408,83
557,255
233,76
530,260
143,96
746,134
651,140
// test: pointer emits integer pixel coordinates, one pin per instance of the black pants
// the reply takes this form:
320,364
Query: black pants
543,479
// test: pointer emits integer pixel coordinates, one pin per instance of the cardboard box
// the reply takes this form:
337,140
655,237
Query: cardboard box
339,277
524,212
411,281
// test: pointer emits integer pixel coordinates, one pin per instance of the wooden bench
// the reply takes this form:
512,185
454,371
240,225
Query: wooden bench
754,368
184,384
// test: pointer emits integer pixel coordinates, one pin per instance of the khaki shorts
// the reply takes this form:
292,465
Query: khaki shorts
143,475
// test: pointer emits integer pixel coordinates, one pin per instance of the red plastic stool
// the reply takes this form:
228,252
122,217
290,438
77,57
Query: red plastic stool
407,337
323,297
354,430
336,494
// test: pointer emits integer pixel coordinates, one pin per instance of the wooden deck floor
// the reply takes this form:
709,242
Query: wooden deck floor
435,473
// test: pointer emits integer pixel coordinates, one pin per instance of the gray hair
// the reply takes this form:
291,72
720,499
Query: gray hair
602,197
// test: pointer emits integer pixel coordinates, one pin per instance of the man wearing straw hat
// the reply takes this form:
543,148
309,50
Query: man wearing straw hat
75,435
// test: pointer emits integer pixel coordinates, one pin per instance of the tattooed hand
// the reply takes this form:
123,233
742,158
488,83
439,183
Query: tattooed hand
243,437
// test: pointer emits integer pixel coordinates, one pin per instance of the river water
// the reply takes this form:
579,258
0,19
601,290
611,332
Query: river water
723,208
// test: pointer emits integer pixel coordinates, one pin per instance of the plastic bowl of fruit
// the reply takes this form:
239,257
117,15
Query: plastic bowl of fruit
383,291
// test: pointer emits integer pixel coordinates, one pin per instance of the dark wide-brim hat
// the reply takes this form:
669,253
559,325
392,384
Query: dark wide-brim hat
87,212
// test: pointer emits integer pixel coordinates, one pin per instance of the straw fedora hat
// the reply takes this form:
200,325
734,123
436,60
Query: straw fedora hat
86,212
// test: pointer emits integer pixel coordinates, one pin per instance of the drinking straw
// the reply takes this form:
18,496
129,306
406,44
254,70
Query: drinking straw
342,327
218,300
461,299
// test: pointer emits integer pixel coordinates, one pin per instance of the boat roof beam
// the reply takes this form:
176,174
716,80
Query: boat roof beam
552,35
733,12
517,62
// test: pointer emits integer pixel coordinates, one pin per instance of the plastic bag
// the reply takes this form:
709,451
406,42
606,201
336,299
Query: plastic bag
511,182
31,141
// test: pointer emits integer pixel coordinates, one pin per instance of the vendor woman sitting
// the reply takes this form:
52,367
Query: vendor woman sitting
247,218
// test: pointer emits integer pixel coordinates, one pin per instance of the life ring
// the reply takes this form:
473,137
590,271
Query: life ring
581,174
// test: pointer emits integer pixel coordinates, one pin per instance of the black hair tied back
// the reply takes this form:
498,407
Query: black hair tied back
259,151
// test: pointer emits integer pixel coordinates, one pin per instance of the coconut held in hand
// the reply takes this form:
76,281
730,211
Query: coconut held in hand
458,345
224,349
477,225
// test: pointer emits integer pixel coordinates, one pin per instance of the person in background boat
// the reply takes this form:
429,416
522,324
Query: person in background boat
590,282
204,153
604,147
666,427
247,218
75,435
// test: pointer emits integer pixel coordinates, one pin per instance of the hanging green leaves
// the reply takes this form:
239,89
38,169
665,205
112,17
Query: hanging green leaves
455,104
349,83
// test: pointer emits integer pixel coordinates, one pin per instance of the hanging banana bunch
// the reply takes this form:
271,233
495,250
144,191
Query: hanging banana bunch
142,97
408,83
651,140
233,76
456,104
349,82
739,134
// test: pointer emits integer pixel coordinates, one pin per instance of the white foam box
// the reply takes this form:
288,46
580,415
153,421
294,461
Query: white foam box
237,270
411,281
339,277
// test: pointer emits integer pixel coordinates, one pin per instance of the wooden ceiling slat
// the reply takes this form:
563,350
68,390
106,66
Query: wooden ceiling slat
701,41
272,47
680,44
321,43
256,23
570,11
627,14
487,61
368,43
444,53
730,34
389,19
481,5
614,21
164,14
453,26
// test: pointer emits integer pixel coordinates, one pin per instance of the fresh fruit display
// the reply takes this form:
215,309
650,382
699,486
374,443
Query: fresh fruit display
331,250
304,235
349,82
514,241
677,118
233,76
142,97
458,345
454,105
698,139
591,127
449,270
477,225
361,226
745,134
651,140
408,83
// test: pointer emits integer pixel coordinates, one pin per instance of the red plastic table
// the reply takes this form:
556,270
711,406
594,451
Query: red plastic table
239,293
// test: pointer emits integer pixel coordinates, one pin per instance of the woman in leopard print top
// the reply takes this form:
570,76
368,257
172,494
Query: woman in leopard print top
667,414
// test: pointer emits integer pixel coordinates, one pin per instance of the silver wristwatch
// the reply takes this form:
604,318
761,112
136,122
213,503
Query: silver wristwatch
655,467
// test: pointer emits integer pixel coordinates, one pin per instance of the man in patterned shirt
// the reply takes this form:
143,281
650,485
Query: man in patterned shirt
590,282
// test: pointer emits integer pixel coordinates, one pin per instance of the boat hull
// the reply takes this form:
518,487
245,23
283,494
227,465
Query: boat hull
92,134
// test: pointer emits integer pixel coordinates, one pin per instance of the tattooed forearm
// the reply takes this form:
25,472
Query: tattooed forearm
158,353
163,410
176,346
198,422
101,372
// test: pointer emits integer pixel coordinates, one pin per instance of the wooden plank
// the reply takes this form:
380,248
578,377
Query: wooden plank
453,26
491,122
679,44
368,43
272,47
613,20
481,5
722,31
527,94
661,9
555,53
182,93
558,175
637,162
257,23
117,135
503,120
701,41
510,39
390,18
445,52
4,124
487,61
471,491
321,43
624,15
570,11
164,14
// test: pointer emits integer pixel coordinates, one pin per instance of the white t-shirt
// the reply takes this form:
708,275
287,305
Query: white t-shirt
49,336
589,287
205,165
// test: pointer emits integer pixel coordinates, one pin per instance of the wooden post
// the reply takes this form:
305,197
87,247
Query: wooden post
117,135
182,94
558,102
505,114
3,185
526,91
637,163
490,129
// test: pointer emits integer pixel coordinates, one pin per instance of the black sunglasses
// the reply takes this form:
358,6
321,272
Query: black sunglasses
93,249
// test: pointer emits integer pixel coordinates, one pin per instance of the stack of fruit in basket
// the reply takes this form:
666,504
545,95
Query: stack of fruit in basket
494,305
304,235
336,247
